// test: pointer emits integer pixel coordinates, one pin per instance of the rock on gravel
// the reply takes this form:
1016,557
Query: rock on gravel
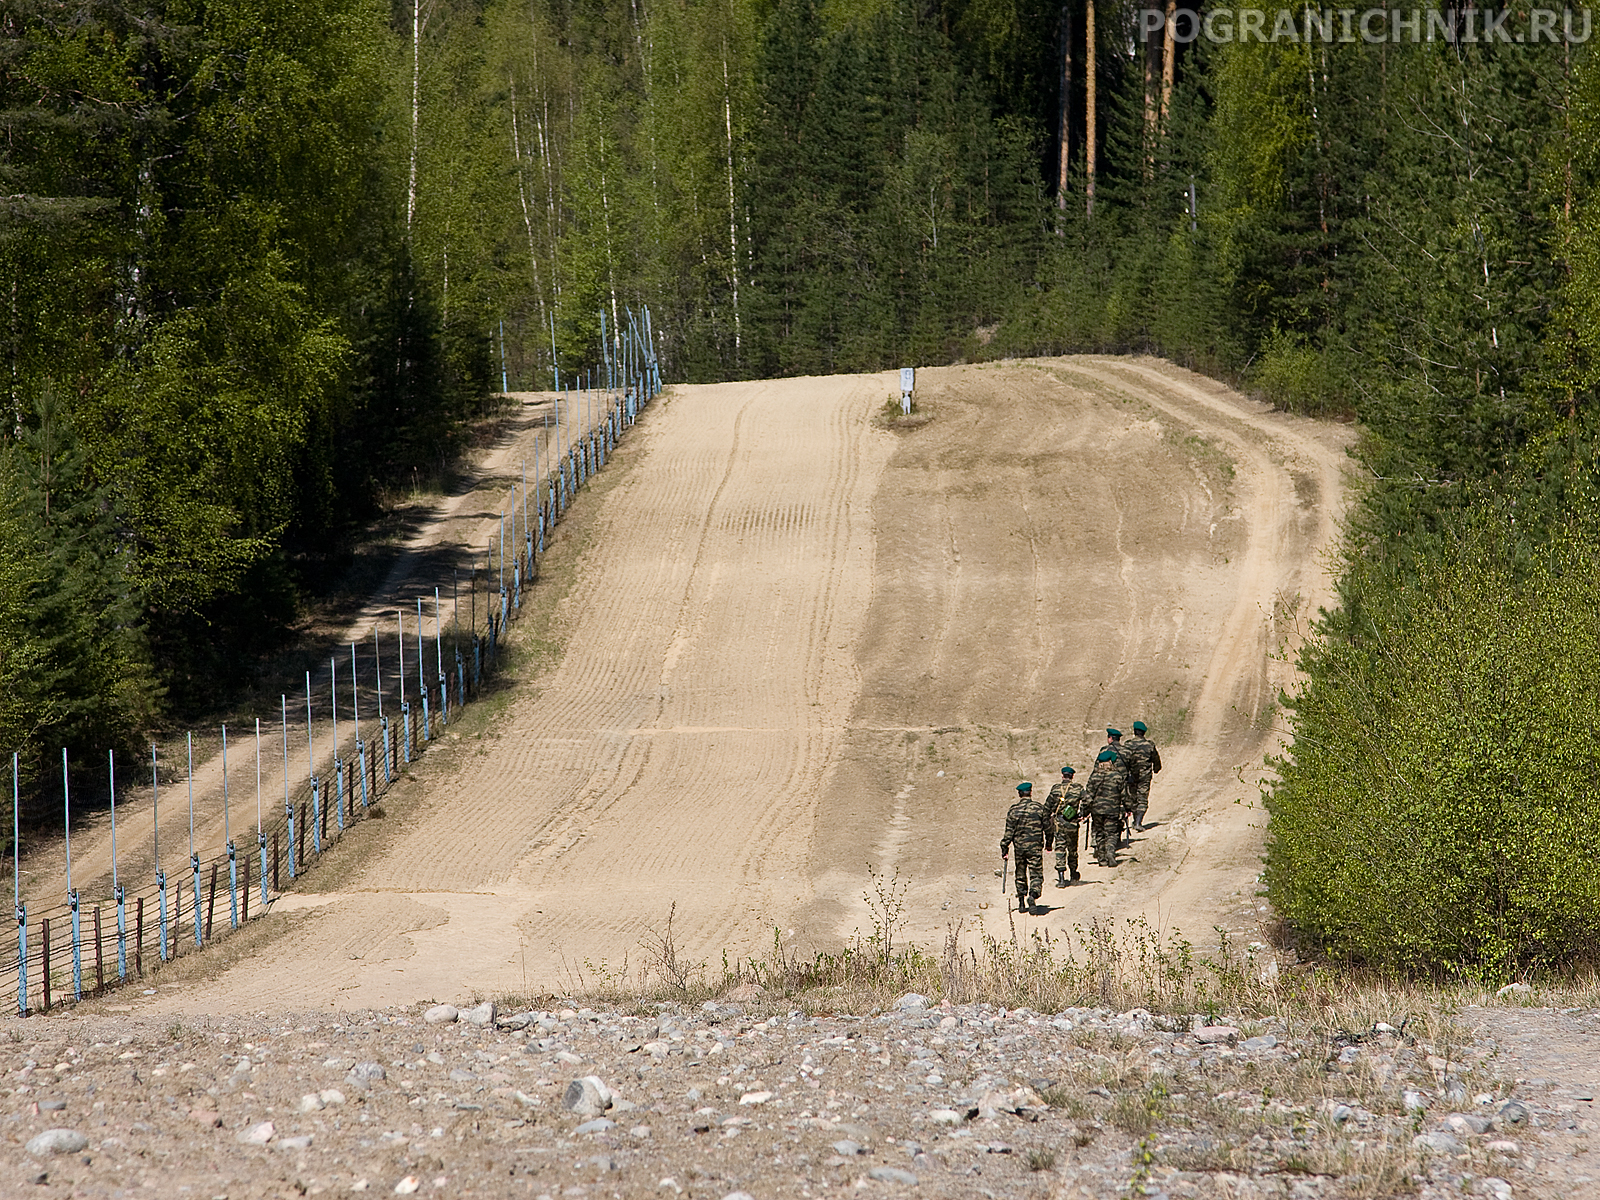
258,1134
364,1073
482,1015
1210,1035
892,1175
441,1014
56,1141
587,1097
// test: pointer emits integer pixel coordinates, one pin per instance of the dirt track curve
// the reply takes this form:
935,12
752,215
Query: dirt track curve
802,642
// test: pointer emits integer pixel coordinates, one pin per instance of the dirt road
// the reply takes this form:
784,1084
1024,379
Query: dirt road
802,643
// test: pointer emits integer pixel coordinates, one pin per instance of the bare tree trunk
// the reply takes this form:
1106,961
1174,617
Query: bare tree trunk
1169,54
733,217
416,107
522,194
1152,77
1064,111
1090,125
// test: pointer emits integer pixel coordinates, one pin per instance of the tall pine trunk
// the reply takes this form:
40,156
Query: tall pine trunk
1169,54
1089,122
416,107
1064,112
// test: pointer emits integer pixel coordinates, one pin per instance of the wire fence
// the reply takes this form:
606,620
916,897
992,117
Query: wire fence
107,936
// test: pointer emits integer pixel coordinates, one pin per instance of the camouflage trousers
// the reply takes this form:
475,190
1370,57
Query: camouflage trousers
1141,801
1067,849
1107,833
1030,873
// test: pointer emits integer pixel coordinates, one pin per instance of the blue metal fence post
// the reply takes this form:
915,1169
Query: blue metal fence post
261,834
288,816
16,882
288,804
233,884
194,867
194,859
116,887
227,841
72,892
405,727
161,895
22,959
77,946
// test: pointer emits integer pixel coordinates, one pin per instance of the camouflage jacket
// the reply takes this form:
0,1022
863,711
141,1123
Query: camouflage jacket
1105,789
1143,759
1064,806
1025,823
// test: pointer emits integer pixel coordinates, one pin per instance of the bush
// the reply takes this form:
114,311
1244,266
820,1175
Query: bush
1439,810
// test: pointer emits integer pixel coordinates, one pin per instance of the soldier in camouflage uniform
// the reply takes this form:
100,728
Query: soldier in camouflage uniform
1025,825
1144,760
1121,766
1064,806
1105,805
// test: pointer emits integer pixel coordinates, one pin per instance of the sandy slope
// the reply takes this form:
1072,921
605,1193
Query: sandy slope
802,643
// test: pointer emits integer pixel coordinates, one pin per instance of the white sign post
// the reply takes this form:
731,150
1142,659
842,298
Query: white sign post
908,383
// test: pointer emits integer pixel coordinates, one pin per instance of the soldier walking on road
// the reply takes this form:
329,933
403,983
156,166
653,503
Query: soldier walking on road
1105,805
1064,806
1144,761
1121,766
1025,825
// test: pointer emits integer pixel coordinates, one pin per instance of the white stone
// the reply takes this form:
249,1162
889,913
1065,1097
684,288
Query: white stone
755,1097
56,1141
1514,989
331,1096
310,1103
258,1134
482,1015
587,1097
407,1185
1211,1035
945,1116
911,1002
1413,1101
303,1142
441,1014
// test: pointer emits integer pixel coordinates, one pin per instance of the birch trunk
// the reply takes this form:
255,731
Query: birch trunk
522,195
733,216
416,107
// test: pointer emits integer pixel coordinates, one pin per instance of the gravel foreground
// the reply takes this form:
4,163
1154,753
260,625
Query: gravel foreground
753,1099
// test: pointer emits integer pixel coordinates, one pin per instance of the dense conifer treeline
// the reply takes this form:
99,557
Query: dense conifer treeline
259,260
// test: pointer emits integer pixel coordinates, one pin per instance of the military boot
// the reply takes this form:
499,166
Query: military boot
1061,878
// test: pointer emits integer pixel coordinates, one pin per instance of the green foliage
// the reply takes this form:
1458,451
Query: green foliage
1440,811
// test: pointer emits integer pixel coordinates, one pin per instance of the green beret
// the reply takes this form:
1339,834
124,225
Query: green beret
1110,732
1024,788
1106,755
1068,771
1140,727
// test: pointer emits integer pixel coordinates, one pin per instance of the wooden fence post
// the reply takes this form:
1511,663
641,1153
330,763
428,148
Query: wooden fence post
246,915
44,941
275,886
99,966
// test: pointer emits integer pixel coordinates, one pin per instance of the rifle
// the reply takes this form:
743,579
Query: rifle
1004,863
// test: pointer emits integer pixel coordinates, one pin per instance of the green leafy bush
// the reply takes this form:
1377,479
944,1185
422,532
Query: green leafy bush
1440,810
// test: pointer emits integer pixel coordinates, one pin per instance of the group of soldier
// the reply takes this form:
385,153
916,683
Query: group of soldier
1113,803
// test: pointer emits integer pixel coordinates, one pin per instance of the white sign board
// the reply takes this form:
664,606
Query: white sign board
908,379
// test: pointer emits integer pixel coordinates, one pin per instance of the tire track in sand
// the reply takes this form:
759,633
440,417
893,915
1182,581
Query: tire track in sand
675,752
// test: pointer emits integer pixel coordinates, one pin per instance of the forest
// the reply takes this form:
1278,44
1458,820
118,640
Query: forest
262,265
